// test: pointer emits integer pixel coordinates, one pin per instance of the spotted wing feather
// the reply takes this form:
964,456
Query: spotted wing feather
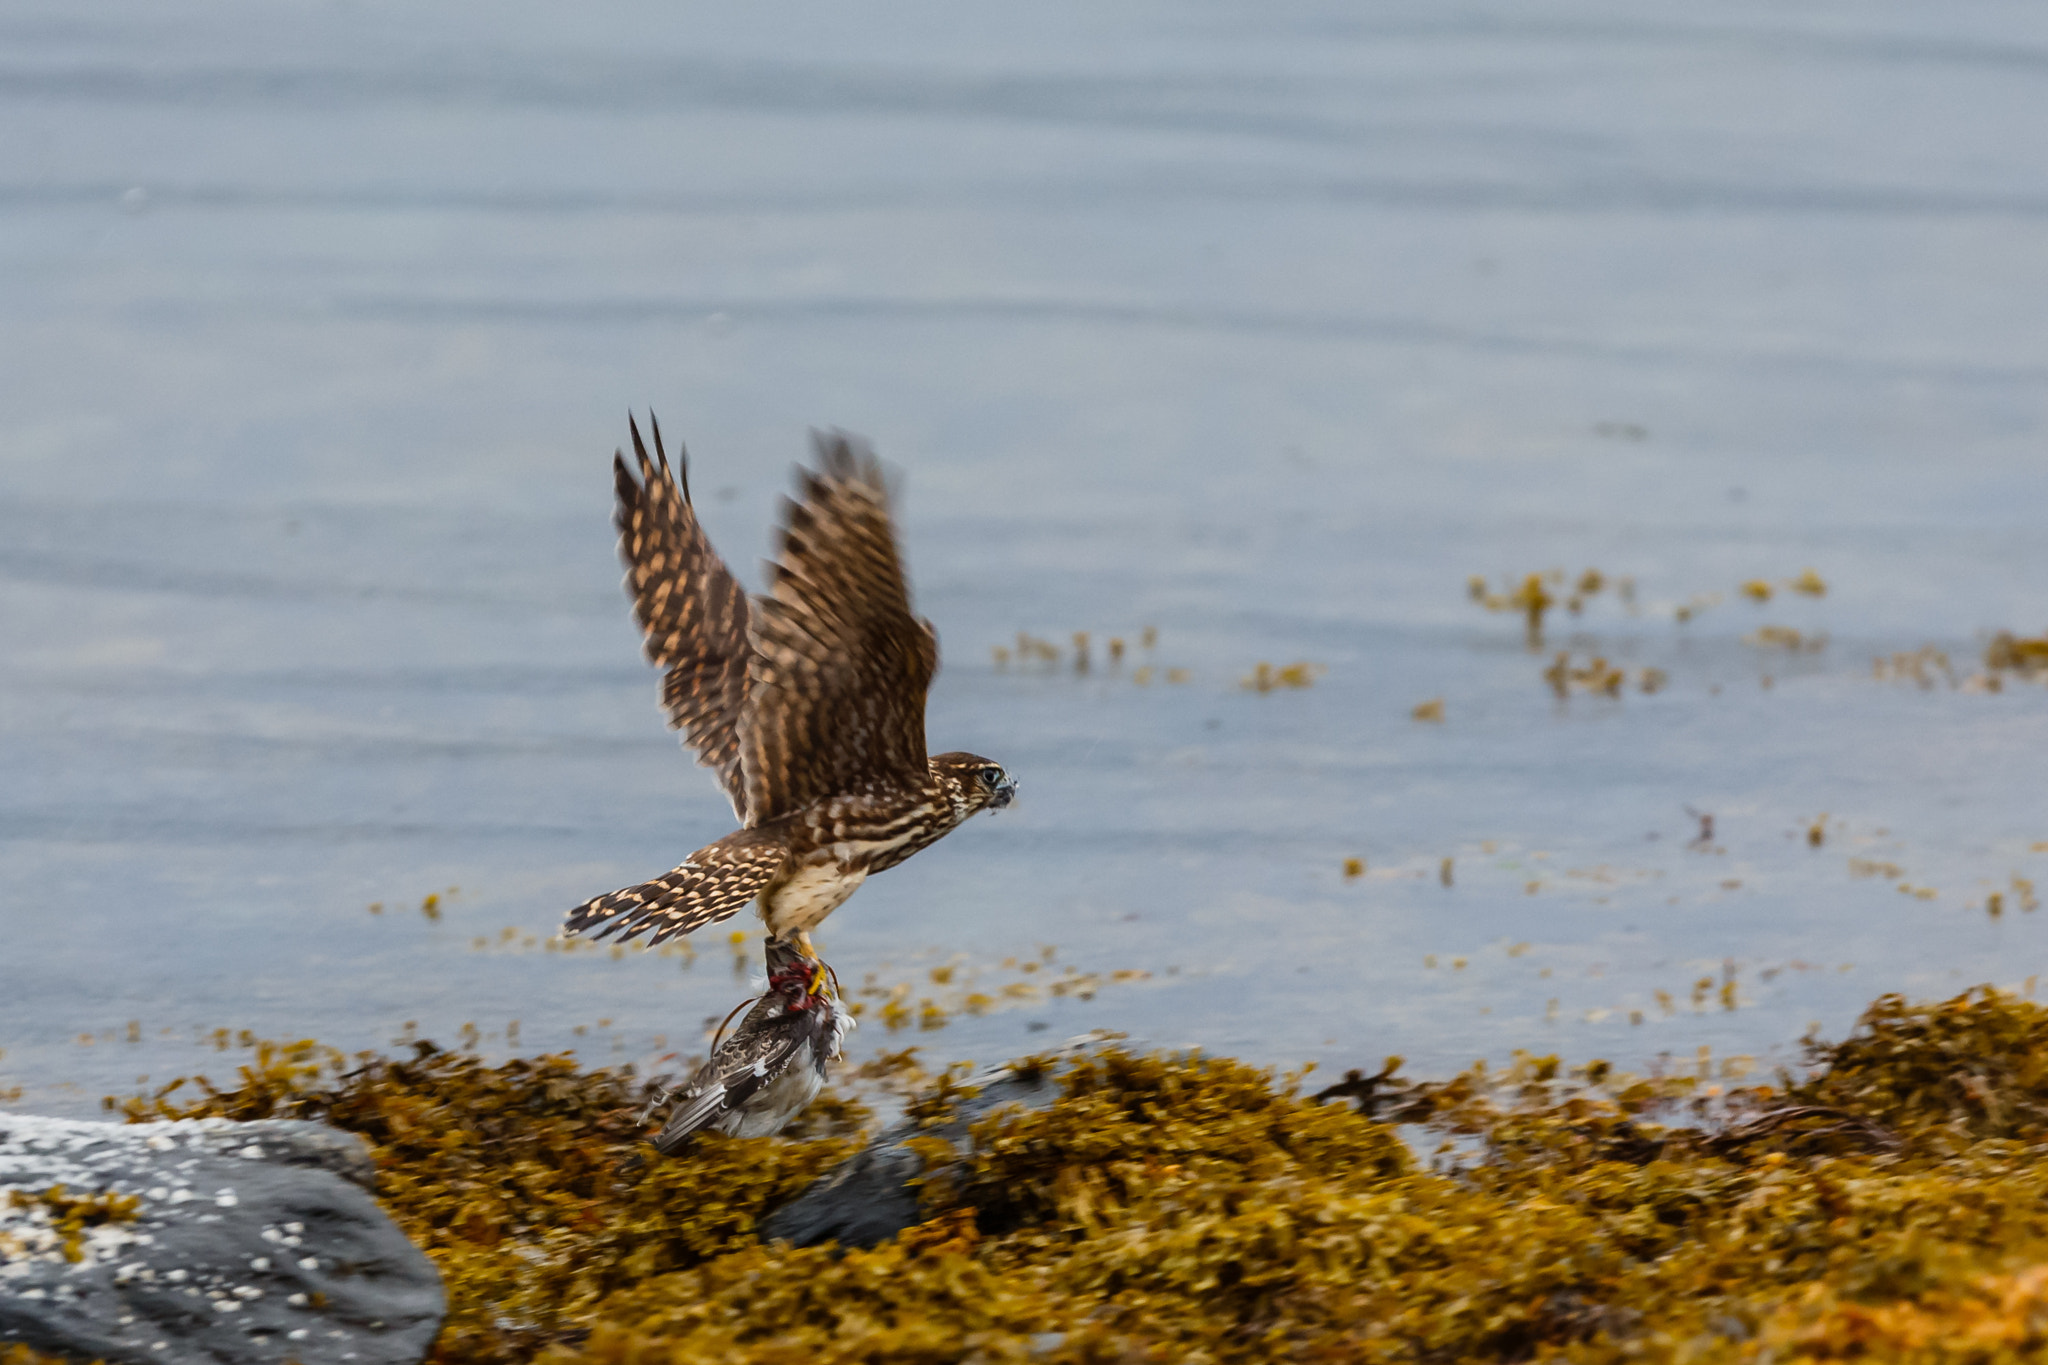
716,883
839,665
692,613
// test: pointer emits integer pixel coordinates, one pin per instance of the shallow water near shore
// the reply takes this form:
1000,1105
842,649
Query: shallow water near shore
1263,329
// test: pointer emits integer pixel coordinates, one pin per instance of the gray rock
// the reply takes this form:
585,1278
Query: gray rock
870,1197
252,1242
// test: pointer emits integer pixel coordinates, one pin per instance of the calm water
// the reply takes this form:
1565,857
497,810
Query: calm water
1266,326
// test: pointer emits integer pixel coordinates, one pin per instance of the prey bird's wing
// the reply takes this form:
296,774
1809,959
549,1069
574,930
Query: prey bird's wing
692,613
840,667
759,1052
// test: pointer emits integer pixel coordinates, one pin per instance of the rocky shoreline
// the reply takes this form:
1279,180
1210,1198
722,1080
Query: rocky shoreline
1102,1206
205,1240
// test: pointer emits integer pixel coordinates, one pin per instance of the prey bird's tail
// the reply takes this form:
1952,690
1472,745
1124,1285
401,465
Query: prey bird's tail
715,883
699,1110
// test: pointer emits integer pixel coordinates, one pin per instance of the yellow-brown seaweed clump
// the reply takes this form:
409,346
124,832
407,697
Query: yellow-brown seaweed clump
68,1216
528,1183
2009,651
22,1355
1890,1205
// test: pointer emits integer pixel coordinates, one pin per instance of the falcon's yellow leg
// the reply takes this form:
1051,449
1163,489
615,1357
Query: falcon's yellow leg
816,985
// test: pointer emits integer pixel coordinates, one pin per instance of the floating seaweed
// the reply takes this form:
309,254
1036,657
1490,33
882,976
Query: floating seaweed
1531,597
961,987
1534,594
1784,637
2011,653
1031,650
1266,678
1597,675
1921,666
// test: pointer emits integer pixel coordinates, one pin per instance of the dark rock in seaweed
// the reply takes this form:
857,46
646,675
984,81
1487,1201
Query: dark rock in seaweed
873,1195
205,1241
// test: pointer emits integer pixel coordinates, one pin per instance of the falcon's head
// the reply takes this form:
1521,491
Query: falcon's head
974,783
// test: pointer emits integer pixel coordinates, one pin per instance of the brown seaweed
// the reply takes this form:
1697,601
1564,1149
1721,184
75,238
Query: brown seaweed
1888,1204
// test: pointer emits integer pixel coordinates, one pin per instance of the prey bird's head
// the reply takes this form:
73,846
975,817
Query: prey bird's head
974,783
794,974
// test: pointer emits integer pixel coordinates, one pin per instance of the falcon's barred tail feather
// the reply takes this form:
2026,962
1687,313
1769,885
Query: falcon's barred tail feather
715,883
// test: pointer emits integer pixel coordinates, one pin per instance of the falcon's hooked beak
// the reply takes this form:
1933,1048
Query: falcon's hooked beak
1004,794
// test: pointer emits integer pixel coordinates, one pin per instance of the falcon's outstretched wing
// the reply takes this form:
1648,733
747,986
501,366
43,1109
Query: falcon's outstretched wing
839,669
692,613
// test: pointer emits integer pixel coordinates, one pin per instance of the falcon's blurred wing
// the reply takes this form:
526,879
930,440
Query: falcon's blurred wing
839,667
692,613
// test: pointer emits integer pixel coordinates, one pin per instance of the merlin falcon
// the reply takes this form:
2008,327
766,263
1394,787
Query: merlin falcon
807,701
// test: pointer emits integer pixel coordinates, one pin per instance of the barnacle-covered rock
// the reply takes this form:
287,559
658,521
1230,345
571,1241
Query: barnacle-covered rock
204,1240
529,1182
885,1187
878,1192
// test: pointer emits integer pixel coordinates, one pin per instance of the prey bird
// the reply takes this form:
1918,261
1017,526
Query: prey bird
807,701
774,1063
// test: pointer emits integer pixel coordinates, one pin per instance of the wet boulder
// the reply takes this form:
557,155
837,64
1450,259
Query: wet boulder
873,1195
205,1241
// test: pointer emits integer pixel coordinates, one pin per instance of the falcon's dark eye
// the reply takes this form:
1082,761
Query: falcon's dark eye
992,775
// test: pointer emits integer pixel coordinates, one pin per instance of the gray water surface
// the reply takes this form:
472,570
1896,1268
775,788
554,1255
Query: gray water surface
1264,326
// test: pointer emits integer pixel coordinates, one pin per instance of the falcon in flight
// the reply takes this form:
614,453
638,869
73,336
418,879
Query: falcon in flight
807,701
